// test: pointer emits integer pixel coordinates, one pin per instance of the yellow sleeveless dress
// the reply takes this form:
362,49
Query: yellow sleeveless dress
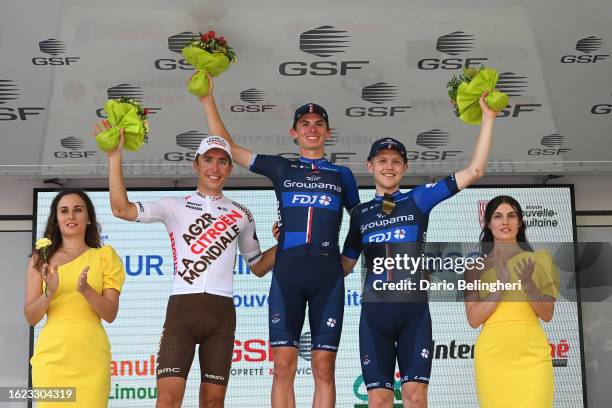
512,357
72,349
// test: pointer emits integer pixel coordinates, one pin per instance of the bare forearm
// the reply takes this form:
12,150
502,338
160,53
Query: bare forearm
35,311
215,124
105,308
120,204
266,263
480,155
479,312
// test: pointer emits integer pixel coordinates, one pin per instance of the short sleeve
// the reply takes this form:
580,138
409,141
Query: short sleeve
351,191
154,211
352,243
113,270
546,275
270,166
428,196
248,242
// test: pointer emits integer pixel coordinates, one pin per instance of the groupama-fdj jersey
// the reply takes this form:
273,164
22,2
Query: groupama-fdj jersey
311,195
204,233
390,329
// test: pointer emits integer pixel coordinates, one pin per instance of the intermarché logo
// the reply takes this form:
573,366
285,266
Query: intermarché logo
455,43
589,44
324,41
125,90
52,46
8,91
252,95
512,84
190,140
379,93
432,139
177,42
72,143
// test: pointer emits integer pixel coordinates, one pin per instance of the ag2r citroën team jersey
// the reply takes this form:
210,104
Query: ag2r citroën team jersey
204,232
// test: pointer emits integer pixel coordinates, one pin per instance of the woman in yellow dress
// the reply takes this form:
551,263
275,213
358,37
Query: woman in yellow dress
75,282
512,360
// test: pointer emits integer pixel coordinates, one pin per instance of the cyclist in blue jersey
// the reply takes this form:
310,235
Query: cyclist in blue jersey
395,327
311,194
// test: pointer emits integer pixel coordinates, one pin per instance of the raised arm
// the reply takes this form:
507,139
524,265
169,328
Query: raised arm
120,205
241,155
480,155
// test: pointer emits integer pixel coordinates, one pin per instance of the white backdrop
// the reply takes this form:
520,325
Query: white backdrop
146,253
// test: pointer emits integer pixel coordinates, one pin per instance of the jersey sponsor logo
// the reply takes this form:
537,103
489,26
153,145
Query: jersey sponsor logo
208,237
312,185
331,322
214,377
366,360
425,353
276,318
404,234
193,206
168,370
245,210
386,222
306,199
140,207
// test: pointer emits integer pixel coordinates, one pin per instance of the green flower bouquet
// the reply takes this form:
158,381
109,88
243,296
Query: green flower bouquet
208,54
465,90
128,115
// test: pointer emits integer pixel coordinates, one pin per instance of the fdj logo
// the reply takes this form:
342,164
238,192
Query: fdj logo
53,47
322,42
75,146
586,46
453,44
9,91
253,97
553,145
514,85
433,139
378,94
307,199
175,44
361,393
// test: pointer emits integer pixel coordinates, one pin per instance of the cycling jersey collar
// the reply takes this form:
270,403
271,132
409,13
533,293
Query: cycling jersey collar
208,197
311,161
395,194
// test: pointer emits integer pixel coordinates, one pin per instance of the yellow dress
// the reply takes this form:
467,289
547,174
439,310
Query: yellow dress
512,356
72,349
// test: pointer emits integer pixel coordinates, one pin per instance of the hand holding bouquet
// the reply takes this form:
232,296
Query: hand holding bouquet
128,115
207,54
465,91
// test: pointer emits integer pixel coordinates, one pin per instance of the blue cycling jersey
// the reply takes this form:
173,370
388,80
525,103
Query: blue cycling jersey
407,223
311,194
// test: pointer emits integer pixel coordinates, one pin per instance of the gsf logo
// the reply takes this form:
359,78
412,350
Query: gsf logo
253,97
378,94
601,109
586,46
53,47
433,139
322,42
453,44
74,146
553,146
188,140
514,85
175,44
9,91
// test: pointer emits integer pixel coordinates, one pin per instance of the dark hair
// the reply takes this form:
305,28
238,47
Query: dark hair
486,235
52,230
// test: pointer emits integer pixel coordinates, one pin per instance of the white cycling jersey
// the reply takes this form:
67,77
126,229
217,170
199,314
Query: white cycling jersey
204,231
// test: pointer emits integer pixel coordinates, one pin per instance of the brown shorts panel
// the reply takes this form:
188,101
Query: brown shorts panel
192,319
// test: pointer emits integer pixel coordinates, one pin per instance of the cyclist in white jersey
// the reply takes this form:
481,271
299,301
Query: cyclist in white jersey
205,230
